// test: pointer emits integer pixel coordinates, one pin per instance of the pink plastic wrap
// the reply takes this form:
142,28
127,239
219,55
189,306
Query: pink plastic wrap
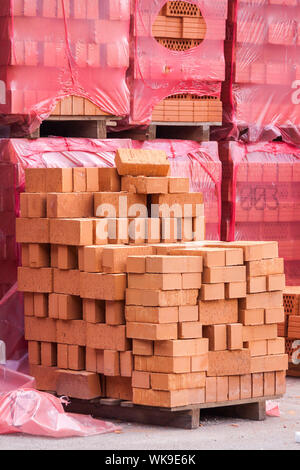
51,49
261,197
262,93
29,411
159,72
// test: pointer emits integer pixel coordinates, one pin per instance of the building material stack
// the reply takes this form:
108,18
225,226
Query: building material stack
289,329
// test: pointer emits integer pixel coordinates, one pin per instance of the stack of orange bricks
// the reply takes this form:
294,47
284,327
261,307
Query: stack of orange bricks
111,311
290,328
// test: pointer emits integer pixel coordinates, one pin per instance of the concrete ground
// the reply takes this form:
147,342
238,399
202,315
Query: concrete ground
214,434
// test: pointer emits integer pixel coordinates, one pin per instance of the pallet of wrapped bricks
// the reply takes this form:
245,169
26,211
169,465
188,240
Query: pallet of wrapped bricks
260,197
290,328
261,94
178,61
111,311
76,51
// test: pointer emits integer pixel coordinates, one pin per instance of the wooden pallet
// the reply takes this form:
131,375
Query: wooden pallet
187,417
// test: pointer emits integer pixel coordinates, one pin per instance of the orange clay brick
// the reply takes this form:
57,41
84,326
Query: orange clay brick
141,347
45,377
59,180
28,304
102,336
211,390
189,330
168,365
101,231
25,255
76,357
39,255
188,313
119,205
114,312
199,363
100,361
35,280
140,379
257,250
71,332
177,205
196,396
276,282
137,231
48,354
256,284
252,317
145,185
114,259
246,386
76,232
257,348
153,230
92,179
35,180
126,363
154,281
179,185
78,384
79,179
217,337
102,286
62,356
135,313
136,264
177,381
79,257
142,162
53,311
159,398
276,362
90,359
153,298
151,331
264,300
212,292
218,312
211,256
174,264
117,230
92,259
111,363
32,231
265,267
257,385
258,332
66,257
34,352
274,315
181,348
40,305
280,382
234,385
234,256
69,307
191,280
66,281
33,205
222,389
119,388
54,256
221,363
109,180
226,274
235,336
235,290
269,384
70,205
276,346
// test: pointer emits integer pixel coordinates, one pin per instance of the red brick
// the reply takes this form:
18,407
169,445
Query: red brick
109,180
246,386
274,315
174,264
179,185
102,336
265,267
35,180
114,312
39,255
235,336
159,398
111,363
76,357
59,180
199,363
222,389
263,300
211,390
211,256
257,385
70,205
269,384
53,311
191,280
155,281
34,352
234,387
136,313
136,264
33,205
119,205
78,384
119,388
102,286
25,255
221,363
218,312
152,331
62,356
46,377
32,230
181,348
212,292
168,365
71,332
92,179
259,332
79,179
177,205
118,231
276,362
93,311
235,290
177,381
126,363
252,317
257,348
217,336
35,280
101,231
276,282
256,284
142,162
69,307
216,275
153,230
40,305
188,313
280,382
100,361
115,258
190,330
67,257
48,354
276,346
66,281
145,185
76,232
92,259
54,256
141,347
140,379
28,304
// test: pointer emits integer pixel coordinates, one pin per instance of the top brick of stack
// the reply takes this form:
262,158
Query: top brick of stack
142,162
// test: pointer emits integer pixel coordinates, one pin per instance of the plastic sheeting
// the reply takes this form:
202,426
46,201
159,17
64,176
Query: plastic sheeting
159,72
51,49
262,93
261,197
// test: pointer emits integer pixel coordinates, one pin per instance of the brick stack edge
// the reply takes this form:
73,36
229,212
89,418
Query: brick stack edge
157,317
